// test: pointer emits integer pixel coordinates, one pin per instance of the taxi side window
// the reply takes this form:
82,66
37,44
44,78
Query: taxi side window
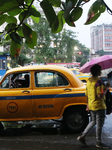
61,80
49,79
17,80
6,82
20,80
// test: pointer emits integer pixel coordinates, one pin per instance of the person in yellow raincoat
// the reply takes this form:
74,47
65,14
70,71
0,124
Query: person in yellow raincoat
95,93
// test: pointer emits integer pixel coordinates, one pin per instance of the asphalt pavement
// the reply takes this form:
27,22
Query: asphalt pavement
52,139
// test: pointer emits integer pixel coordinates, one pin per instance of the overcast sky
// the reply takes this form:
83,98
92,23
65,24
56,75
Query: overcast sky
84,30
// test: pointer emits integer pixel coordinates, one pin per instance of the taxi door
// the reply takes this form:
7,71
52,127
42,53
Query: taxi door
15,101
50,91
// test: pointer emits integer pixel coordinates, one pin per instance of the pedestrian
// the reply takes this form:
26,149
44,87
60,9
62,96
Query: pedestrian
95,93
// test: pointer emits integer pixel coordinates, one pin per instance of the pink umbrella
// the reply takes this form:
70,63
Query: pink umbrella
104,61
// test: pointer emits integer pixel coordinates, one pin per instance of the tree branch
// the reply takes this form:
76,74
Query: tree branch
24,15
108,9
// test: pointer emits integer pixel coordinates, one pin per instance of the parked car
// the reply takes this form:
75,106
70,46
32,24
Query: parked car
82,76
43,92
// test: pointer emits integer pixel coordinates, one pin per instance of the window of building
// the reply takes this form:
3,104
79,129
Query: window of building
3,64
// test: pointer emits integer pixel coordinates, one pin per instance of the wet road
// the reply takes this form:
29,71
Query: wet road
52,139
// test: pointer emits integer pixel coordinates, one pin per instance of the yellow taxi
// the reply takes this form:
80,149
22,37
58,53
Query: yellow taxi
43,92
82,76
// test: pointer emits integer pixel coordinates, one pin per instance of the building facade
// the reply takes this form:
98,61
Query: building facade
101,38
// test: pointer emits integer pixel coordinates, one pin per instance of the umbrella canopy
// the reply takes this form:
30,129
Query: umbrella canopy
104,61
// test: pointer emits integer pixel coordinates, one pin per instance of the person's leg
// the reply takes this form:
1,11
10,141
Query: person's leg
88,128
100,118
91,124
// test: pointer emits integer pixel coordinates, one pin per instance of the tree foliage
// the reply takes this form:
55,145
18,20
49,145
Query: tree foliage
84,56
15,12
67,44
57,47
22,59
100,53
53,47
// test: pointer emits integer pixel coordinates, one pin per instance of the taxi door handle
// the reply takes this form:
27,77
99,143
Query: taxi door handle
25,91
67,90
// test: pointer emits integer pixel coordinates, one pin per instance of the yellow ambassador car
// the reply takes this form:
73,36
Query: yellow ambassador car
82,76
43,92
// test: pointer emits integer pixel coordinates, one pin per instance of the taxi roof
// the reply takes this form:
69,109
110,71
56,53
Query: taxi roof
35,67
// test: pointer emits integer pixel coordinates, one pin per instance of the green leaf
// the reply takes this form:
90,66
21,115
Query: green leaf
10,27
92,19
95,7
36,19
32,40
11,19
24,15
8,5
68,8
7,37
3,2
14,12
73,2
15,49
20,31
34,12
94,12
48,11
55,3
70,22
58,23
102,9
55,25
28,1
15,37
3,18
26,30
76,13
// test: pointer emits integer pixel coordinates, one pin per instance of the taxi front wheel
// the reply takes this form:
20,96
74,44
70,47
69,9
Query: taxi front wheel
76,120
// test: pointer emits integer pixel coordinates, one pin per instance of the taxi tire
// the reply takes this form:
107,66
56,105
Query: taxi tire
76,120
